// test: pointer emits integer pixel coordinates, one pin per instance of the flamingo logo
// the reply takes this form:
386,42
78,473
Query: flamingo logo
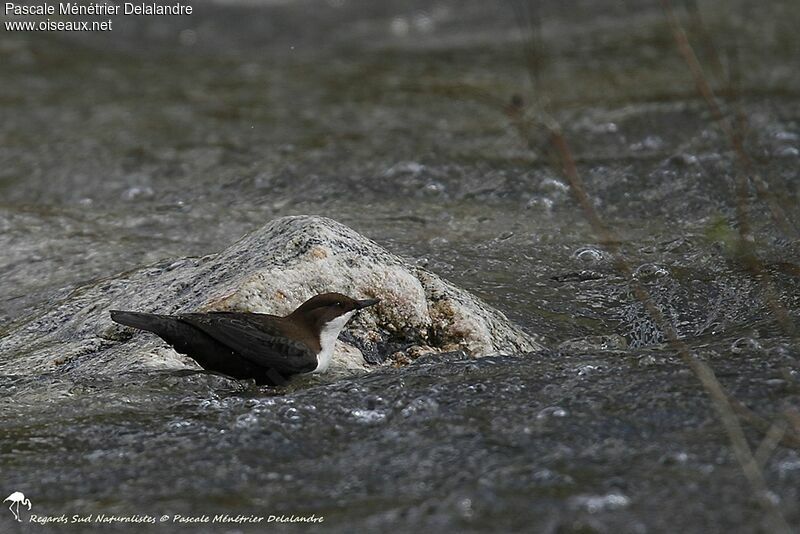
16,499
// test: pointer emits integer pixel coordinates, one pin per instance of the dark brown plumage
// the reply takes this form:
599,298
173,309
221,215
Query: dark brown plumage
267,348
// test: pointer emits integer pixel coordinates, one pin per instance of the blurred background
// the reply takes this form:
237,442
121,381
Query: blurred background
174,136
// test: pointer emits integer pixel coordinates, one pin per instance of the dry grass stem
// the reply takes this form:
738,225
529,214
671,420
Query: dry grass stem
749,463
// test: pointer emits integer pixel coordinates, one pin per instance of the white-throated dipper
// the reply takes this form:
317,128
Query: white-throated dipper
267,348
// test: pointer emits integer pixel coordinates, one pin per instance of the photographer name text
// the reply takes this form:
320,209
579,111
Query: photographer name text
171,518
92,9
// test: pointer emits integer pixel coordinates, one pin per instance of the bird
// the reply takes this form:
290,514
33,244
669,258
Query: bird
259,346
17,498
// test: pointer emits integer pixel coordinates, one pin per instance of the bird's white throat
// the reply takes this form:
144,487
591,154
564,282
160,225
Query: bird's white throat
327,340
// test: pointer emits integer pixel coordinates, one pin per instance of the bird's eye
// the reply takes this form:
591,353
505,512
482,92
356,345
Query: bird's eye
339,304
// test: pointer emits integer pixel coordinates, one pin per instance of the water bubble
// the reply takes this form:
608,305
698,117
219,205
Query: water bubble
211,404
787,136
647,360
650,271
476,388
373,401
599,503
138,193
680,244
788,466
433,188
651,142
465,508
405,168
369,417
540,202
673,458
178,424
504,236
687,160
550,412
290,413
259,404
586,370
589,254
745,344
553,185
603,128
421,406
246,420
512,386
96,455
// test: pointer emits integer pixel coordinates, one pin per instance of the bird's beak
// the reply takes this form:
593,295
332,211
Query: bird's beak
366,303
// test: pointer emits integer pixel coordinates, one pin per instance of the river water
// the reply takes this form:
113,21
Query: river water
173,136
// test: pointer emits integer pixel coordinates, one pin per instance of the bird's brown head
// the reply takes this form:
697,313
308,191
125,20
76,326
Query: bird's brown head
322,309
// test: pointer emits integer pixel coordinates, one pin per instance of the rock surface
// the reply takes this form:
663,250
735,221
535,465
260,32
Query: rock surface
271,270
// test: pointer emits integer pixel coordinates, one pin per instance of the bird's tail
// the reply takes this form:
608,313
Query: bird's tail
143,321
171,329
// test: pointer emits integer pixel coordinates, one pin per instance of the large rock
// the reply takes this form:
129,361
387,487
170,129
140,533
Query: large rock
271,270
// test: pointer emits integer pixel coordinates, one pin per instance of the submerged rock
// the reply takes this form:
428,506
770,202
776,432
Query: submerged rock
271,270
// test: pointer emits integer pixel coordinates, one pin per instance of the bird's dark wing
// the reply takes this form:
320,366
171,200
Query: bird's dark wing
255,340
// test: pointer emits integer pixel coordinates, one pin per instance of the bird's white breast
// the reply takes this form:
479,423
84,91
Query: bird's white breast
327,340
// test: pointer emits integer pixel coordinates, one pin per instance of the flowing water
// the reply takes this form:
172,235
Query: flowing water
172,137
